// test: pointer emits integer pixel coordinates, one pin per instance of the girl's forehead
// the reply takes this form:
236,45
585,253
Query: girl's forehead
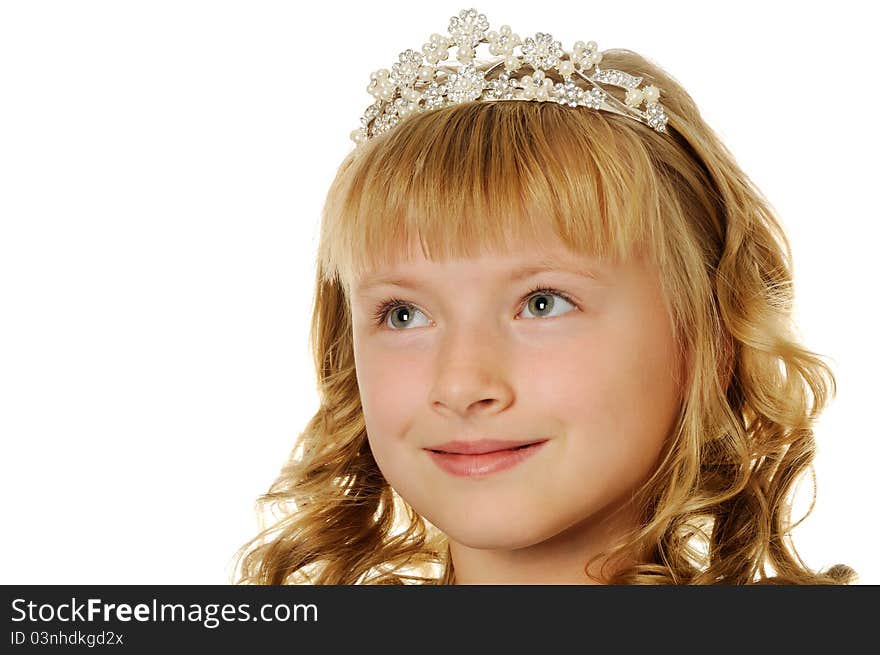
514,263
551,248
513,253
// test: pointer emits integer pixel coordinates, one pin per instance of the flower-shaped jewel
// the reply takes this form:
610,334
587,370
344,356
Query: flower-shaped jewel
577,52
501,88
512,63
595,98
585,55
436,49
528,86
502,42
536,86
468,28
406,71
465,85
408,102
542,52
568,93
381,86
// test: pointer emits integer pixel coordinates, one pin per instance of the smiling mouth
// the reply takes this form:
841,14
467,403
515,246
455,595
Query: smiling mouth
482,446
488,452
479,465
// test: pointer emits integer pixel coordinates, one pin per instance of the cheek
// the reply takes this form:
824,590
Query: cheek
392,387
581,379
393,384
611,387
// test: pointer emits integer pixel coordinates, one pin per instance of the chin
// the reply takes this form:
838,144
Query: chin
486,535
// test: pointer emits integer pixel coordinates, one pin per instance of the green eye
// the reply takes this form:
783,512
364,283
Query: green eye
539,301
542,300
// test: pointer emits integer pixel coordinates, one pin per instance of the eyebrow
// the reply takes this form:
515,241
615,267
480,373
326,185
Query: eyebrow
514,276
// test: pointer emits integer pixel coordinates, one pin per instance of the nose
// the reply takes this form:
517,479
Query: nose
472,374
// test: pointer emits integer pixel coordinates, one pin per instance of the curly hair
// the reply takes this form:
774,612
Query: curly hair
468,178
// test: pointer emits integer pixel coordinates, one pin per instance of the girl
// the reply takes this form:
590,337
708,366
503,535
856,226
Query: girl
552,331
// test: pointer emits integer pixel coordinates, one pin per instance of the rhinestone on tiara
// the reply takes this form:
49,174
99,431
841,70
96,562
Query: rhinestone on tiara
420,80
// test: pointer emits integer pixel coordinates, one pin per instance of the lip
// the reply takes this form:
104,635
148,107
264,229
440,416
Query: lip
481,446
472,465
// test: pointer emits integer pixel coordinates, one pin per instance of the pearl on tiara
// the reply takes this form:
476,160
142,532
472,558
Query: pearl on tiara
421,80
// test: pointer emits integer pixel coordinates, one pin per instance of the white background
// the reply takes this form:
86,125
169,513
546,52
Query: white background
162,171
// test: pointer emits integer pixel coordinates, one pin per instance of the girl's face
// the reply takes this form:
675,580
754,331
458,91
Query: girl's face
470,353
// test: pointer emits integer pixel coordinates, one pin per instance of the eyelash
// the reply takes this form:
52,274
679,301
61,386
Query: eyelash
385,307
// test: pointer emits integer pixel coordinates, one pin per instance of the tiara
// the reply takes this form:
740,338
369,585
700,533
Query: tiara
420,81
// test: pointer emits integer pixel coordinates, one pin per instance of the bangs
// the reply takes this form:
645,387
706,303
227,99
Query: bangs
488,177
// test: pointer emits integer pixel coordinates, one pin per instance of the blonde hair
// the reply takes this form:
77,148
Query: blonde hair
474,178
